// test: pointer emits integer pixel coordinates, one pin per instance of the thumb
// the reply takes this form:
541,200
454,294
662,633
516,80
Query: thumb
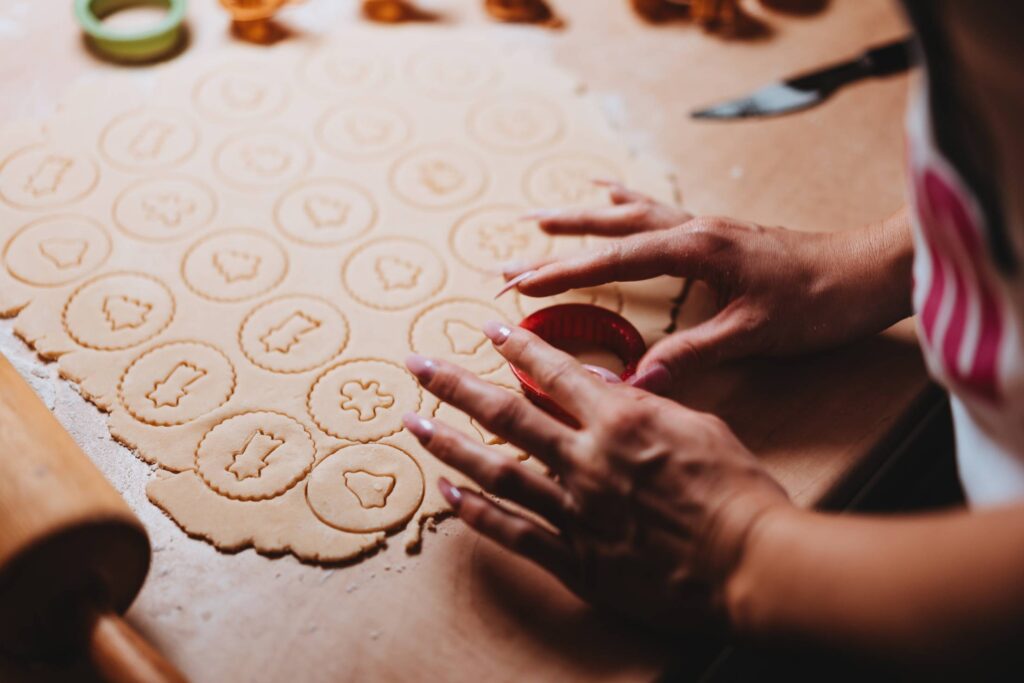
667,363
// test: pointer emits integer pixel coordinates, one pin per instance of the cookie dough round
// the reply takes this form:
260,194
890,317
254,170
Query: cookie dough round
366,487
255,456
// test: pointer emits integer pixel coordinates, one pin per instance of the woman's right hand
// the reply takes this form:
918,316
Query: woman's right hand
779,292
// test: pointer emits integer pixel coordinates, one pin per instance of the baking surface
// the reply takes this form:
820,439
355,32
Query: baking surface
461,609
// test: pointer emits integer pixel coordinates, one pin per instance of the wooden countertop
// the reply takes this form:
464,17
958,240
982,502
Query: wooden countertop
462,610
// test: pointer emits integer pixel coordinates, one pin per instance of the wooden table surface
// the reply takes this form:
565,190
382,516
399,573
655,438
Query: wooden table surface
462,610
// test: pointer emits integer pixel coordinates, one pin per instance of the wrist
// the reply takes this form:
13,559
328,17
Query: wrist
749,598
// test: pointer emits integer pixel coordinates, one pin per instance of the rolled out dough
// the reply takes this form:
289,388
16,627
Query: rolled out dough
235,262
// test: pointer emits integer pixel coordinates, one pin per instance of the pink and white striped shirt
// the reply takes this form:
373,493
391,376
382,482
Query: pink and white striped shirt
969,319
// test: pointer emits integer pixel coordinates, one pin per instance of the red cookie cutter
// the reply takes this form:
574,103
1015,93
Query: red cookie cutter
568,325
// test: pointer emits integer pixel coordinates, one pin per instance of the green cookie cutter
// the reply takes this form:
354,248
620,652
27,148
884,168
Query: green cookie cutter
131,46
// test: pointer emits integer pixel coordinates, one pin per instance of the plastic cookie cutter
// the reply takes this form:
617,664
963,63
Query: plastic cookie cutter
573,327
252,20
138,45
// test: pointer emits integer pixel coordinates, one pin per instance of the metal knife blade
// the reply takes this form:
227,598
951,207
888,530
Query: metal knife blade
807,90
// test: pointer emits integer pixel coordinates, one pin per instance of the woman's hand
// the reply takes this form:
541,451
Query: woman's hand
779,292
652,503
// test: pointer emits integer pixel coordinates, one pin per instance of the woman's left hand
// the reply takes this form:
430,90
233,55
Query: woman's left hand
652,504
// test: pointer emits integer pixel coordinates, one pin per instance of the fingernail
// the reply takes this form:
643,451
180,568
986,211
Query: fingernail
424,368
522,277
451,493
540,215
604,373
656,379
421,427
497,332
512,267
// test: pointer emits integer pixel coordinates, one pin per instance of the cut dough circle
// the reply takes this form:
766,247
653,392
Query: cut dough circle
293,334
118,311
361,130
148,139
393,273
487,237
342,69
164,209
453,330
176,382
516,122
56,250
363,400
234,265
439,177
262,159
365,487
255,456
451,71
43,177
567,180
240,92
325,212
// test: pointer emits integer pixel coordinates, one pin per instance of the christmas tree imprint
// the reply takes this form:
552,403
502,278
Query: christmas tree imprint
168,208
463,338
265,159
396,273
242,93
168,392
285,335
150,140
503,240
64,253
125,313
440,177
365,398
368,130
248,463
47,177
235,266
326,212
371,490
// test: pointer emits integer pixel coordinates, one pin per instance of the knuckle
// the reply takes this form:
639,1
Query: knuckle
503,476
520,536
505,414
446,381
556,372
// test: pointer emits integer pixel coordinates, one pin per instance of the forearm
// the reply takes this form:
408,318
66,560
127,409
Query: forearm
925,591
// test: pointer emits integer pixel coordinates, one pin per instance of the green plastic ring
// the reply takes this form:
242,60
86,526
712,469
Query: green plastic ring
134,46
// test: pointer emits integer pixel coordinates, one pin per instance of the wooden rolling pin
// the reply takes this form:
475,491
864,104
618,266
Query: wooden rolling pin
72,554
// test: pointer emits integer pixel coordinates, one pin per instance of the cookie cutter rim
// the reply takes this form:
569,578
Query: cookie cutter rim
581,322
138,45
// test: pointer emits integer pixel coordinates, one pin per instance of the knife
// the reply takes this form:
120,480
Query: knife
809,89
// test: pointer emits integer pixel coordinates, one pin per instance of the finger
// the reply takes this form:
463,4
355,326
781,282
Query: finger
607,221
667,363
512,531
681,253
559,375
505,414
512,269
619,193
501,475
